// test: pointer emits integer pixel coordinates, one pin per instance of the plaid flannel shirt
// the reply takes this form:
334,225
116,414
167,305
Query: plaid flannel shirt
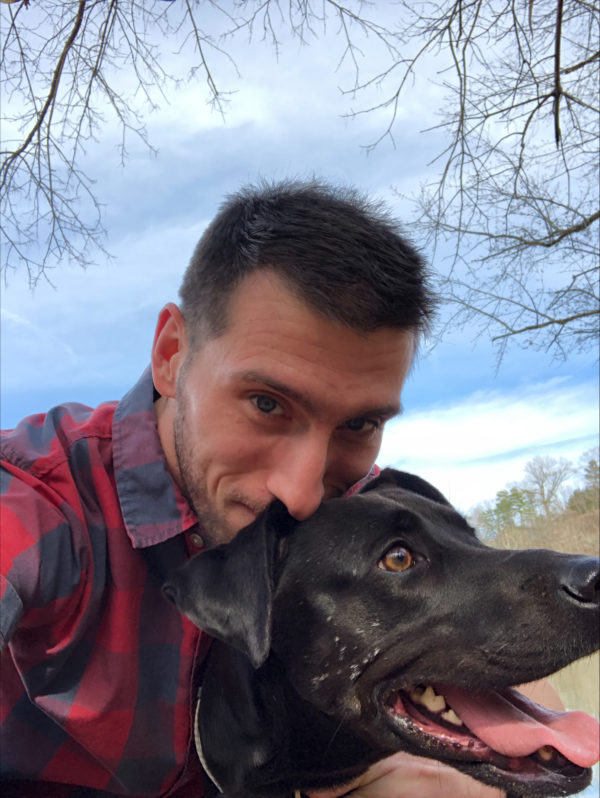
96,666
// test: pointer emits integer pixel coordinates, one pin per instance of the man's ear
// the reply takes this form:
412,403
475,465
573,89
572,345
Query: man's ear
168,349
401,479
227,591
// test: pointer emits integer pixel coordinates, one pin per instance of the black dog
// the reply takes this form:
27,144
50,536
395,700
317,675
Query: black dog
382,624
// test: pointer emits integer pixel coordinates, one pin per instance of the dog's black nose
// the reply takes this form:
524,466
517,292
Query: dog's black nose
581,579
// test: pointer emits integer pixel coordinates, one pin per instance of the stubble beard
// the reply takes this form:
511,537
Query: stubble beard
192,479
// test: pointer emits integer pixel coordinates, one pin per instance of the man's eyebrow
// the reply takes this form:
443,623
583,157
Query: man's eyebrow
386,412
281,387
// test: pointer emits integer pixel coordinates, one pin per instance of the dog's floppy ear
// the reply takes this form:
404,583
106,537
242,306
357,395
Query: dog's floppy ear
227,591
234,732
410,482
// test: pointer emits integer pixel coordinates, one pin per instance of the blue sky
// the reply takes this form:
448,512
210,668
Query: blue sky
468,427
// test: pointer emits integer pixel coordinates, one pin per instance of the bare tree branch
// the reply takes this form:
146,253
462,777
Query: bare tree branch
549,323
557,87
514,207
510,213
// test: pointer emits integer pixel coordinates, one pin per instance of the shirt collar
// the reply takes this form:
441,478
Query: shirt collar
153,507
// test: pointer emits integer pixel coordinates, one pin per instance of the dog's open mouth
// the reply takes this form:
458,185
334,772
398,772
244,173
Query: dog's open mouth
502,733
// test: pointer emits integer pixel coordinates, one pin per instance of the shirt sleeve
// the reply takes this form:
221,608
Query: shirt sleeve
41,565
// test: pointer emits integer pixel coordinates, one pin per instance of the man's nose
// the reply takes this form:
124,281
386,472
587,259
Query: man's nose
298,475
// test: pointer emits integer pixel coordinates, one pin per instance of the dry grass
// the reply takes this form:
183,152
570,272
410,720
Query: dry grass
577,533
579,683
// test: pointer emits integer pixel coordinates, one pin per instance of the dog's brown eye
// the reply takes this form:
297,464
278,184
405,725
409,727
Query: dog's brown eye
396,559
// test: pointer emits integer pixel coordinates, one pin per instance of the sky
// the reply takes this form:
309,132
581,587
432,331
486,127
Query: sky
469,425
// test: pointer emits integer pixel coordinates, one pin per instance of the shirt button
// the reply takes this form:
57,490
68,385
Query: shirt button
197,540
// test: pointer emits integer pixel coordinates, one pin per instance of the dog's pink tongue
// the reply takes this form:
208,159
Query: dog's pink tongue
513,725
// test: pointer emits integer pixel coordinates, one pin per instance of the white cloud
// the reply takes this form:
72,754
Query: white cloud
284,119
96,326
473,447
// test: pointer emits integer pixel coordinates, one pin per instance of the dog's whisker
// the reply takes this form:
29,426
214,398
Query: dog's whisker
334,734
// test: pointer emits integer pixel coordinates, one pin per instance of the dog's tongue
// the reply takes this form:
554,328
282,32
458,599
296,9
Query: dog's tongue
513,725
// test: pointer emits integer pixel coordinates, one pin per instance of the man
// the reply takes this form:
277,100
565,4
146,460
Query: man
300,316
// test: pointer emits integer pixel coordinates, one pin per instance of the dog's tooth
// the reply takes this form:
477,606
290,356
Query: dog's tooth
416,692
546,753
433,701
427,697
451,716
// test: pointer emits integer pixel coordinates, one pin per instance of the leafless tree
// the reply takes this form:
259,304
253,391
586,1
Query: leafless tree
556,515
513,204
516,202
544,476
66,65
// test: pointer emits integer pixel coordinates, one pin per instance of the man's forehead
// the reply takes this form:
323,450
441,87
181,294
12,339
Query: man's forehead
267,286
273,338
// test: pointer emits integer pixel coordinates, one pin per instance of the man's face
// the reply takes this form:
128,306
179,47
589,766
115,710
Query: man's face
284,404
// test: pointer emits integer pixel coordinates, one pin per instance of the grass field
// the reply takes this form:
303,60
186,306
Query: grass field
579,685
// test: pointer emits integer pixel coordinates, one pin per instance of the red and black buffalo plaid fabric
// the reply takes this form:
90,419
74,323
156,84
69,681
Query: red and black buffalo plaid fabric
96,666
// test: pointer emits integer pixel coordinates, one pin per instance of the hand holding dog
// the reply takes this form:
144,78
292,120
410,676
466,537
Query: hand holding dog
405,776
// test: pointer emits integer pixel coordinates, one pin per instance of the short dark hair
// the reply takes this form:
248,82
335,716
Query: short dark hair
339,252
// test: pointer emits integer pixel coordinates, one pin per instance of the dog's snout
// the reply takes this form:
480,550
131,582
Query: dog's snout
581,579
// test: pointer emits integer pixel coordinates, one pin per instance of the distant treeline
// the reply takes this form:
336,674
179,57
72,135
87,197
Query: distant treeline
542,511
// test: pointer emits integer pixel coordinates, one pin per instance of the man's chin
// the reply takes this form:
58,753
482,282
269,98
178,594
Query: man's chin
223,527
238,515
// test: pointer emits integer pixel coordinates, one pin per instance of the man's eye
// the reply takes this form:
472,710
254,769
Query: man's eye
363,424
266,404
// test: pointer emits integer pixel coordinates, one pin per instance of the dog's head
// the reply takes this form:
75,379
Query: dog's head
390,617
